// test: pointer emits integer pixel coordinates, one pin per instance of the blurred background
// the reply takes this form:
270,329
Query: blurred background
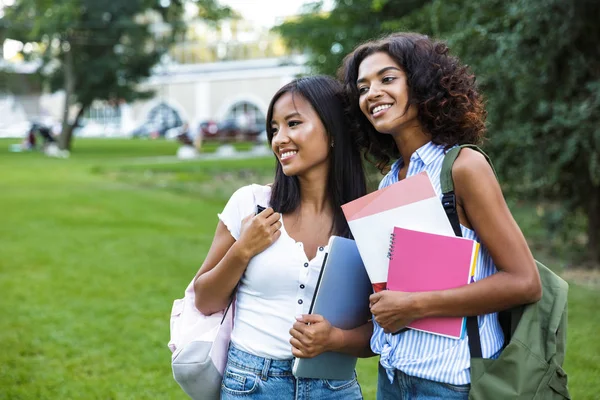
126,125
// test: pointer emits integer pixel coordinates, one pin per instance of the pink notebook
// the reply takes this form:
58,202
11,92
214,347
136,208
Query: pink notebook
421,262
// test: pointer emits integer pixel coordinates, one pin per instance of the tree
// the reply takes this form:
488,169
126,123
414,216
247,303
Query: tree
98,50
328,36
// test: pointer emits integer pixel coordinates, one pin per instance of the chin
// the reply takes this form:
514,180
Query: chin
384,130
289,171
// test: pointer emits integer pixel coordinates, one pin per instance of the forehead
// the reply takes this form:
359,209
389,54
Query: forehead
290,103
374,63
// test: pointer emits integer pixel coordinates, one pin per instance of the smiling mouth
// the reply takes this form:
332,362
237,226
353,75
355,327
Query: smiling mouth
379,109
287,154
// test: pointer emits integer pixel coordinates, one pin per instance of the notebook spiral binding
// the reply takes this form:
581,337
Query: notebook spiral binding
390,253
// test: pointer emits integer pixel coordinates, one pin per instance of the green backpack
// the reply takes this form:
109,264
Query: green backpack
535,335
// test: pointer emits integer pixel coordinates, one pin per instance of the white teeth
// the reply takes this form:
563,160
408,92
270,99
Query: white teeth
381,107
288,154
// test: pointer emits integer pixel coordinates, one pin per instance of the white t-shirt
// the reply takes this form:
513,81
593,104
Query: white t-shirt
278,283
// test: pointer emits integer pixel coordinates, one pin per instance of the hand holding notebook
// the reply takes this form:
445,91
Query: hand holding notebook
342,298
422,262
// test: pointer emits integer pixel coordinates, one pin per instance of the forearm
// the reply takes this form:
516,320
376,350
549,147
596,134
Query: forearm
494,293
213,289
354,341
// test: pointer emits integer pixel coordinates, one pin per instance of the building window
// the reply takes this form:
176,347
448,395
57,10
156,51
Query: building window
247,116
163,115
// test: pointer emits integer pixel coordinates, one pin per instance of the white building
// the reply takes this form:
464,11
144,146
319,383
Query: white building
186,93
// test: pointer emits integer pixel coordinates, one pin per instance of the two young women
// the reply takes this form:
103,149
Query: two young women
413,101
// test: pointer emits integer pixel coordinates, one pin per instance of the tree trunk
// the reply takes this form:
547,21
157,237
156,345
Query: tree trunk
594,227
68,131
66,134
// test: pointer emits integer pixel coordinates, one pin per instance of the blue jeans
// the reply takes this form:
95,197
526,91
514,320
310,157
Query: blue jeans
249,376
407,387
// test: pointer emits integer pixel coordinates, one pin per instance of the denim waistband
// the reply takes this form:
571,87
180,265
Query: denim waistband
259,365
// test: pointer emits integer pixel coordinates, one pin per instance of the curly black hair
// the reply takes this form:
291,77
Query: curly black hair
450,107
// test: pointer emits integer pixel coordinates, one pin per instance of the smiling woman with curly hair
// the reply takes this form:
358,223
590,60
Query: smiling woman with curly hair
441,89
413,102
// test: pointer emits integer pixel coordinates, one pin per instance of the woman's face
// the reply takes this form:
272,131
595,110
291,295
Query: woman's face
299,140
383,94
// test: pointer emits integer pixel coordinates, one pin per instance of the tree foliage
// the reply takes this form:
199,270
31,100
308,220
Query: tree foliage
98,50
538,64
328,36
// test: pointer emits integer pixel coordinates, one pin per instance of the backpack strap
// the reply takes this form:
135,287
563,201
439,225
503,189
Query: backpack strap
449,204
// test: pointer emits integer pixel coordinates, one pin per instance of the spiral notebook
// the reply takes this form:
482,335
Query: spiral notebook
421,262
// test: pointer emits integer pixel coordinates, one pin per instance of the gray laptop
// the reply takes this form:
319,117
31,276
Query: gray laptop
341,297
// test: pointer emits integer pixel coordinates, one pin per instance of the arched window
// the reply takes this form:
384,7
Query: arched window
247,115
164,116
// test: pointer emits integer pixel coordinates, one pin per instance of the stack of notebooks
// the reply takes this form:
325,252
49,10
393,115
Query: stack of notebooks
424,254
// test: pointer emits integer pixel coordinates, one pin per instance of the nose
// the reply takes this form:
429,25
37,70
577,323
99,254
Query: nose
374,92
280,139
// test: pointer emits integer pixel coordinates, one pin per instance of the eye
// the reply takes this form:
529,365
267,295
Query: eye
292,124
388,79
273,130
363,90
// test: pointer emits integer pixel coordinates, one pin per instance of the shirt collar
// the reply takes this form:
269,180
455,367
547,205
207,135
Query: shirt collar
426,153
429,152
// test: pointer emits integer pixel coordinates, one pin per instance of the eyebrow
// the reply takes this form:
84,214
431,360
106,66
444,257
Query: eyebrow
292,115
379,73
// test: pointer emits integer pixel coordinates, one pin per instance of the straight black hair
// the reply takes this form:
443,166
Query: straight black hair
346,180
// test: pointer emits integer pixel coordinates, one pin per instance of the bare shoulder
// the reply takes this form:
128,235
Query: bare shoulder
471,167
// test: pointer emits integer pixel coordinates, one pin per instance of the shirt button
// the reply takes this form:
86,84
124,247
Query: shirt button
302,286
306,265
321,249
300,301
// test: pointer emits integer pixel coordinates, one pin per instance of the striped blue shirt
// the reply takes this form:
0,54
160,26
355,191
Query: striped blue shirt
425,355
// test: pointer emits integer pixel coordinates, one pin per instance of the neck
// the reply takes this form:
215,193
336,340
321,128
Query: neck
409,139
313,196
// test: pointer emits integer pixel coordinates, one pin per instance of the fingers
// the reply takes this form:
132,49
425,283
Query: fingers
296,335
272,217
298,353
269,220
268,213
276,226
300,328
275,236
310,318
300,349
375,297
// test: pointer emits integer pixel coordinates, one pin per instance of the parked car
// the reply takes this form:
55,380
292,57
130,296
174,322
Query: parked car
229,130
151,129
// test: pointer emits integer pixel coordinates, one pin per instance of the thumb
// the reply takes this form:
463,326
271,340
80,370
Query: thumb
310,318
374,298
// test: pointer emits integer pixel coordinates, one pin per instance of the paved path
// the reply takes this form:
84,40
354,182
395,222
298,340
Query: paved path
218,155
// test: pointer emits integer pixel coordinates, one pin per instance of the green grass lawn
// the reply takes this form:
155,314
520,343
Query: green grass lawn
93,250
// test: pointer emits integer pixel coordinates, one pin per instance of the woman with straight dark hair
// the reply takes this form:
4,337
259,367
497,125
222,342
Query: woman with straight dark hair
414,102
274,257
